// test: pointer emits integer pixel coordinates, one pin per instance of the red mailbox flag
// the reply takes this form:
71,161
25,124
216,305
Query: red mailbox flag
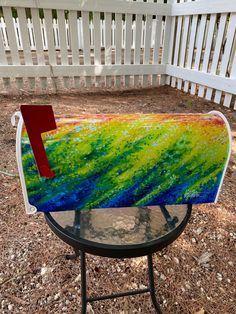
39,119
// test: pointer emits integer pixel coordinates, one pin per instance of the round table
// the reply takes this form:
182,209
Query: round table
120,233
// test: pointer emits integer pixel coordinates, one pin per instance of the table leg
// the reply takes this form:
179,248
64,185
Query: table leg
152,285
83,289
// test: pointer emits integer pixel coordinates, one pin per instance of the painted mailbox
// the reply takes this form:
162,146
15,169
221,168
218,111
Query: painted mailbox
120,160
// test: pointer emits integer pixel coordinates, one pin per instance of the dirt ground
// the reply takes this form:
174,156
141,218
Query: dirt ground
196,274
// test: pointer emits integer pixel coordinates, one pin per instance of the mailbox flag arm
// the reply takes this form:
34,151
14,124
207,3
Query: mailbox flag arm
39,119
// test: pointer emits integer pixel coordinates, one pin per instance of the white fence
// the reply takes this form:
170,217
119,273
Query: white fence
190,45
56,33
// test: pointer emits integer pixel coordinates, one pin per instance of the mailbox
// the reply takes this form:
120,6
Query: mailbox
77,162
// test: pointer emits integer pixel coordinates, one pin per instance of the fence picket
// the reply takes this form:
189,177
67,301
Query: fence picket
169,54
12,44
147,45
74,39
74,43
207,50
168,44
97,43
3,59
191,48
228,97
24,36
183,47
97,38
218,45
50,37
157,45
128,38
177,46
137,44
108,47
63,43
86,44
199,49
118,40
227,51
63,40
25,43
37,36
11,36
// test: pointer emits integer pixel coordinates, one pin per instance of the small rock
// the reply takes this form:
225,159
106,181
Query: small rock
78,278
199,231
193,240
142,287
176,260
231,263
204,258
187,285
57,296
44,271
10,307
163,277
219,276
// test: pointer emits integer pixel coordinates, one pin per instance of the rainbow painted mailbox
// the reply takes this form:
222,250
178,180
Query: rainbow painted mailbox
120,160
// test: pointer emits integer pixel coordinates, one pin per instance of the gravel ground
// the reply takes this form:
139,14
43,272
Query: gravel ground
196,274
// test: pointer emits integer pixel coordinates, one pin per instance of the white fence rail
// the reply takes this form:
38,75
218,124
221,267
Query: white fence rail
190,45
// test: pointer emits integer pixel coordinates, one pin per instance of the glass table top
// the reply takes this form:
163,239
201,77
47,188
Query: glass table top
122,226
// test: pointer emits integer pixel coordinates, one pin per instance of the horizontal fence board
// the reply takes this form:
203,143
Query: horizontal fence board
80,70
203,7
225,84
121,6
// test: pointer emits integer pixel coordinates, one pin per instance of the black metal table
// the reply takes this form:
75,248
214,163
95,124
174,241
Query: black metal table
119,233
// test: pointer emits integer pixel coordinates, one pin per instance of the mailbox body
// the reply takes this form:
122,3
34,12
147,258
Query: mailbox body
117,160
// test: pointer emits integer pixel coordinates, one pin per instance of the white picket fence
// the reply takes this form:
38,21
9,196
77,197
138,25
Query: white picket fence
190,45
56,33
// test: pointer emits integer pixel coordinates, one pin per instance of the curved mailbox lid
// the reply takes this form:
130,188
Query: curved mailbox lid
117,160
